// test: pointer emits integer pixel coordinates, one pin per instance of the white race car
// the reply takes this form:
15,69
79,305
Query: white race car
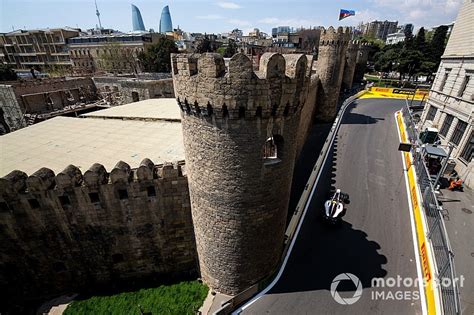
334,208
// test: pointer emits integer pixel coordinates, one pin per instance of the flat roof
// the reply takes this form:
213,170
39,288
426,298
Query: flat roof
152,109
60,141
436,151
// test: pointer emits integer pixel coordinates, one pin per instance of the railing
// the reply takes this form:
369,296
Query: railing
447,281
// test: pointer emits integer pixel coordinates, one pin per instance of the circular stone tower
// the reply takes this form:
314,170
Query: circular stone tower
239,130
330,67
361,61
350,64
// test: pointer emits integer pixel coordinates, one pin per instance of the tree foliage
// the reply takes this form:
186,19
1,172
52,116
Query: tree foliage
157,57
7,73
415,56
206,44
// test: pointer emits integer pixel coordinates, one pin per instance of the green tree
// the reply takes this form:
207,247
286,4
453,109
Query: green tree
157,57
116,58
7,73
438,43
206,44
420,40
229,50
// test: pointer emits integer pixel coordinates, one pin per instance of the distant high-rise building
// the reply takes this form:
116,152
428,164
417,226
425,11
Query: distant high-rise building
137,21
379,29
165,21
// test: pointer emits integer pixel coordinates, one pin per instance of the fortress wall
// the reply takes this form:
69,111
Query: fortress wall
239,198
31,95
66,232
361,61
146,89
330,67
350,64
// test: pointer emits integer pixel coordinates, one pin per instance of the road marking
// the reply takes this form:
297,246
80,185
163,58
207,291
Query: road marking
429,294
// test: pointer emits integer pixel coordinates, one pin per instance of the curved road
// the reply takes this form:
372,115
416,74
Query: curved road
375,239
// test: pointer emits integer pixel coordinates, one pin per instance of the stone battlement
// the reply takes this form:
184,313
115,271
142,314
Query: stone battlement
44,179
205,87
331,36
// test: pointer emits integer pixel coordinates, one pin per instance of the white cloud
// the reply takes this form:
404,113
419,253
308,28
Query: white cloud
275,21
210,17
228,5
240,22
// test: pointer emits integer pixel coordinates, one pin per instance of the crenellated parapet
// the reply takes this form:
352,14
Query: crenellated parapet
17,182
75,230
330,66
205,88
350,64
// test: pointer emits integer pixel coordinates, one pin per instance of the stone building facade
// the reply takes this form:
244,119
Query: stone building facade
74,231
18,98
450,104
24,49
124,90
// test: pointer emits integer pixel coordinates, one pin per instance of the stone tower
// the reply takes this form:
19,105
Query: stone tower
239,130
330,66
350,64
361,61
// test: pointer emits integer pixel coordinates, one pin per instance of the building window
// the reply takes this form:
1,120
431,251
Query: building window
464,84
431,113
123,194
446,125
94,197
445,78
273,149
466,153
135,97
458,132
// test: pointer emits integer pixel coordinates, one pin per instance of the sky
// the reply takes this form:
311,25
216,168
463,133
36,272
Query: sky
222,16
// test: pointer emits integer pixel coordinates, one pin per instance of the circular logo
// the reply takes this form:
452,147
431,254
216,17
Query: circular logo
348,300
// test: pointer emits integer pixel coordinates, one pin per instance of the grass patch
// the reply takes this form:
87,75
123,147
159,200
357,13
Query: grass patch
182,298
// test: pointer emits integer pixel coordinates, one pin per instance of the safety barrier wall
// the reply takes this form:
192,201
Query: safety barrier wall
437,231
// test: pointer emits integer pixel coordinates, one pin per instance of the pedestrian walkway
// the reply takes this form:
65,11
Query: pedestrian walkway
459,220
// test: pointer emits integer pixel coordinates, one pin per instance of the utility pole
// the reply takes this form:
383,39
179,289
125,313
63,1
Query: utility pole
98,14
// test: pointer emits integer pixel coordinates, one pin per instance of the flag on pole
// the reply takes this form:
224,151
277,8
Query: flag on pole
346,13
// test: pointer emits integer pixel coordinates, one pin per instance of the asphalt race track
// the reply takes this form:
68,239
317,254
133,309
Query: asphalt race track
375,240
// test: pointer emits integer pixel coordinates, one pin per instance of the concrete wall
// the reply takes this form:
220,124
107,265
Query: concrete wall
72,232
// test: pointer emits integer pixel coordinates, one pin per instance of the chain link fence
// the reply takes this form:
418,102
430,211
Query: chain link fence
446,274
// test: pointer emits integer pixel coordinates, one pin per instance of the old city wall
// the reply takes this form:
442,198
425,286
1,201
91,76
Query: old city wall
330,67
361,61
38,96
239,198
128,90
12,113
350,65
71,231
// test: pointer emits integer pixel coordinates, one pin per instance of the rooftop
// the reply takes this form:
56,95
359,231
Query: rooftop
147,129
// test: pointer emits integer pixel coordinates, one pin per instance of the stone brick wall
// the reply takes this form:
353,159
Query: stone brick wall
12,114
330,66
67,232
361,61
40,96
239,199
350,64
124,88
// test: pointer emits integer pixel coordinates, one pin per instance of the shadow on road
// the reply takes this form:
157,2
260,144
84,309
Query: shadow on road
322,252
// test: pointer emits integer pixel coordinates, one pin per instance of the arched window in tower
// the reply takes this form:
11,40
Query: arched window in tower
273,149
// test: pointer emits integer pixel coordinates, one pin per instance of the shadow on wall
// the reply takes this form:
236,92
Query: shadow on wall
322,252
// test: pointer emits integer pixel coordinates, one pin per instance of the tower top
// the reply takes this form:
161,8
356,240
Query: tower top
97,13
205,87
